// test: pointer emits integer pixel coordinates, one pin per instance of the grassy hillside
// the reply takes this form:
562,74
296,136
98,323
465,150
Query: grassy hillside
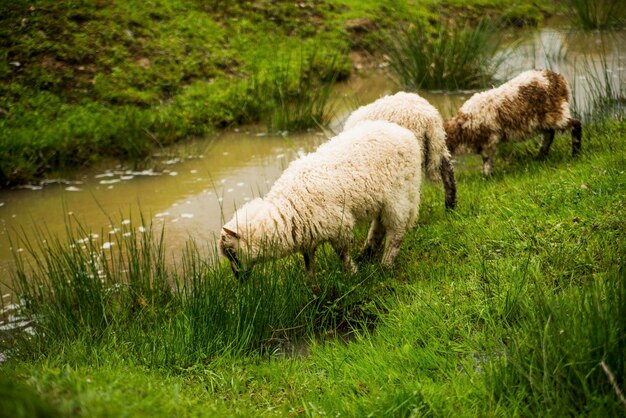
83,80
508,306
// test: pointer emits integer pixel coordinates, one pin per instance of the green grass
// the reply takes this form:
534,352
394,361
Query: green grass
598,14
82,81
504,307
300,101
20,401
557,366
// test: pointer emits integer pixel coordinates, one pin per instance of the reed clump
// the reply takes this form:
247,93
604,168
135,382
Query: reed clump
299,95
598,14
604,87
452,57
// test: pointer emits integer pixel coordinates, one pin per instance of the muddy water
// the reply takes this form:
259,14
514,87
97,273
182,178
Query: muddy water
192,194
189,197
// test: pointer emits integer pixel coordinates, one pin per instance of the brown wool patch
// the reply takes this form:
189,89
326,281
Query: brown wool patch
535,106
453,133
528,108
474,138
558,93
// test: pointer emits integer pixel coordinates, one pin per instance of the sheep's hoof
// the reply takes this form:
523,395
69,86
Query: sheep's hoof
387,265
366,254
316,289
351,268
450,204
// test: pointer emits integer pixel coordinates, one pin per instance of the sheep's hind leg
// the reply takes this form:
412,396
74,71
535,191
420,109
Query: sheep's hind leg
548,137
577,133
449,183
393,240
374,240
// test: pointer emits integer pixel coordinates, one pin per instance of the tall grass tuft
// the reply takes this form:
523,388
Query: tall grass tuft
177,313
553,361
300,97
86,288
603,86
597,14
456,56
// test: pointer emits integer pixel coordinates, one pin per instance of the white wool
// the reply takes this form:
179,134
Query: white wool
372,171
535,101
413,112
485,107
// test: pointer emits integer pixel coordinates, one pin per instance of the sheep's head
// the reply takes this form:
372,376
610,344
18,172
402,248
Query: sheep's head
453,130
241,241
230,246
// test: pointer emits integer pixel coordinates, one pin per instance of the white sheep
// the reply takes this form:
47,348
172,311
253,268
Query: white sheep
369,173
413,112
535,101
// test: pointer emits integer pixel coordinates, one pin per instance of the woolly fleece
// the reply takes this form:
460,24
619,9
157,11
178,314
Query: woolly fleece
413,112
371,172
535,101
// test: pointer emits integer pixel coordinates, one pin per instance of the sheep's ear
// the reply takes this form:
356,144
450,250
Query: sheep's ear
231,232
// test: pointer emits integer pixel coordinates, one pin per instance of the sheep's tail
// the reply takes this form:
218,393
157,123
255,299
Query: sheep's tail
449,183
435,152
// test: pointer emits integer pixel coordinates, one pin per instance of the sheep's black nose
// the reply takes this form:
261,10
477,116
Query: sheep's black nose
234,265
239,273
242,275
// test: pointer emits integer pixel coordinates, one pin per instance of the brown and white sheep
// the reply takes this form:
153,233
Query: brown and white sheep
535,101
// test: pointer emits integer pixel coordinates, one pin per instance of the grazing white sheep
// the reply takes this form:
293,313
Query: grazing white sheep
534,102
413,112
369,173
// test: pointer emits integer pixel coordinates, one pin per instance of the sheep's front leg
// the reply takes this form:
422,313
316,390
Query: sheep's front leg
375,238
309,258
489,155
449,183
343,250
548,137
346,260
577,133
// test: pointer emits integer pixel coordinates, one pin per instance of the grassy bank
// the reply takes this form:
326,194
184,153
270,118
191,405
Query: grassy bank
506,307
80,81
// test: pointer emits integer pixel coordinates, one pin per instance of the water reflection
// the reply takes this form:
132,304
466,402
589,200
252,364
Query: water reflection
590,61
